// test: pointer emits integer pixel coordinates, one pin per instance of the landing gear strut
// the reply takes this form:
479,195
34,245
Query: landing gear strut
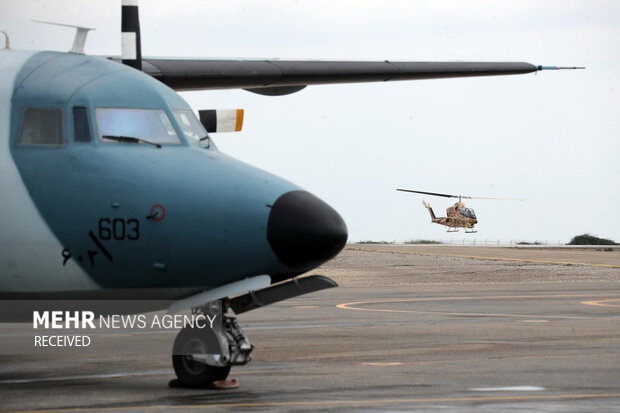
238,344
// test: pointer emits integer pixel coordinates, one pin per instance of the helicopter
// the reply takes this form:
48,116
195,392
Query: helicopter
457,215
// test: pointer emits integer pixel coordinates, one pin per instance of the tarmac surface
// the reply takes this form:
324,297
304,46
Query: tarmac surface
411,328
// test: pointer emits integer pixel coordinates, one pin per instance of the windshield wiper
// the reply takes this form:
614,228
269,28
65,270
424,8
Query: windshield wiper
129,139
206,138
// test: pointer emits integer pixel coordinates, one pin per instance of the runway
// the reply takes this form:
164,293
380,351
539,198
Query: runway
448,342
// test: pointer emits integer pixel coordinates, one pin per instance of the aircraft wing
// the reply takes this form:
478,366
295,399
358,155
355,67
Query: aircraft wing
278,77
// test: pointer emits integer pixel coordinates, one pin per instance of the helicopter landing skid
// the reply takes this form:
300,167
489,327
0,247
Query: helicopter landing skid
473,231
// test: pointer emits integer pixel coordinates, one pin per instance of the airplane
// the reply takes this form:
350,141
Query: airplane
113,188
457,216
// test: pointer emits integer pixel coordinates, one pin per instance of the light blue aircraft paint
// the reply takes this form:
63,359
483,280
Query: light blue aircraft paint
97,196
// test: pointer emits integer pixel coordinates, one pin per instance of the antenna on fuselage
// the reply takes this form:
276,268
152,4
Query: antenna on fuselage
7,43
131,49
80,35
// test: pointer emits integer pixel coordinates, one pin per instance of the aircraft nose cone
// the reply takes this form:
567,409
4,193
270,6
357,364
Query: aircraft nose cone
304,231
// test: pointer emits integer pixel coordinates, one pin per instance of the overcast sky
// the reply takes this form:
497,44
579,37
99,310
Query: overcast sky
551,138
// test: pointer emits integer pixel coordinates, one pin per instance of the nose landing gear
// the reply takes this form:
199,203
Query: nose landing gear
201,356
194,361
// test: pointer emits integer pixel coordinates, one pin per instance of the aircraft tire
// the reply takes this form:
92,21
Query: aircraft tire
192,373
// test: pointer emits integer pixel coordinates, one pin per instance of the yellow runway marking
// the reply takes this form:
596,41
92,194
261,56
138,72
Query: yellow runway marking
355,306
485,258
306,306
384,364
310,403
603,303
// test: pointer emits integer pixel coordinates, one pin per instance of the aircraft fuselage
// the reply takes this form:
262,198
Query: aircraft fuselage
81,212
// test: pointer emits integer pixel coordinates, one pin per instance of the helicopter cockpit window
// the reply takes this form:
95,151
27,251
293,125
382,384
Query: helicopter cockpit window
190,125
41,127
147,125
468,212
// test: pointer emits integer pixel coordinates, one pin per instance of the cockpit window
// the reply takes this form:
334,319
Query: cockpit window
41,127
468,212
151,125
190,125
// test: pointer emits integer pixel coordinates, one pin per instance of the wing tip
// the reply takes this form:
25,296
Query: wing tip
541,67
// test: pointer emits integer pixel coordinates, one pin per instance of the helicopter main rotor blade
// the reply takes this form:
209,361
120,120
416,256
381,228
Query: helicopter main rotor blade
500,199
428,193
458,196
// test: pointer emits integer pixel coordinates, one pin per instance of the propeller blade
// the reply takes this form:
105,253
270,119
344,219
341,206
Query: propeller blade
428,193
